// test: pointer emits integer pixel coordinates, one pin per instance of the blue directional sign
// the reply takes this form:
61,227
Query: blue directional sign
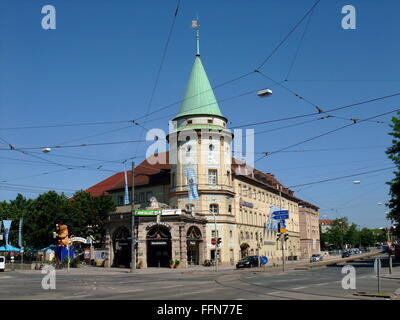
263,260
283,224
280,215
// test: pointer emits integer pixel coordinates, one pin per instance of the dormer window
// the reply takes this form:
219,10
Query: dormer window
189,122
210,121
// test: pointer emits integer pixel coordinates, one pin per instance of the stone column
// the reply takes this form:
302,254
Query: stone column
142,245
175,243
183,246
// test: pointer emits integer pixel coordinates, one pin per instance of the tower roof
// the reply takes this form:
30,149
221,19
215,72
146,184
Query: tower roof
199,97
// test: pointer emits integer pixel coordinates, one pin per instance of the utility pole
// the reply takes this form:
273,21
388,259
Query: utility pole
133,241
216,242
282,236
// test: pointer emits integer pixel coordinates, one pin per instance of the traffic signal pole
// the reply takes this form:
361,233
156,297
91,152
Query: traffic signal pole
282,236
133,241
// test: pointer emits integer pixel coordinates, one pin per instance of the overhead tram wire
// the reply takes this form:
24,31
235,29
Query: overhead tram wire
299,45
289,34
244,75
339,178
164,54
324,134
317,107
316,113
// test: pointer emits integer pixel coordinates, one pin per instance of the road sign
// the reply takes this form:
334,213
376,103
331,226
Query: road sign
280,212
283,224
263,260
213,241
377,265
281,217
283,230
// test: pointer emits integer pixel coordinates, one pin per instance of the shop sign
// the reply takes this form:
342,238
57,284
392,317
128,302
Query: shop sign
158,243
246,204
147,212
171,212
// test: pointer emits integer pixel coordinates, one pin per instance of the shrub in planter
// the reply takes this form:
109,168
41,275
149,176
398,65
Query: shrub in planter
177,262
171,263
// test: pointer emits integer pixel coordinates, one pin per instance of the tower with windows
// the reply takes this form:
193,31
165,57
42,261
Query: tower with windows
200,154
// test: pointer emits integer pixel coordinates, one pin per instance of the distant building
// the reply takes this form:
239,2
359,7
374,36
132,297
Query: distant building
325,224
309,229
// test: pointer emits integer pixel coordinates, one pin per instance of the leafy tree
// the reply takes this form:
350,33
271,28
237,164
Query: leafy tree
393,153
90,214
352,236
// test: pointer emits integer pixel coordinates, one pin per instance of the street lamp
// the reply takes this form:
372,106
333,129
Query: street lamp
264,93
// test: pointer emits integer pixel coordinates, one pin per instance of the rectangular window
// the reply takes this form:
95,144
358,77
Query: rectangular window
121,200
212,176
141,197
148,196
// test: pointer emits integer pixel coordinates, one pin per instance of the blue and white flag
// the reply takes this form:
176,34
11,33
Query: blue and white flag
21,221
7,226
126,200
192,182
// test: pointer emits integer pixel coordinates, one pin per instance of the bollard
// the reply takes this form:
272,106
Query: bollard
390,264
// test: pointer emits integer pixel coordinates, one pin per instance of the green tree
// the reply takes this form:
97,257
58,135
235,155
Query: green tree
90,214
393,153
352,236
44,211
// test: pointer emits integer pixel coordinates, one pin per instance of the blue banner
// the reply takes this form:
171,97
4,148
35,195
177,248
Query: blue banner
191,177
21,221
7,226
126,198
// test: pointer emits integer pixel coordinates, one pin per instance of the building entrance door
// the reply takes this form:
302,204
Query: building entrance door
193,237
193,252
158,247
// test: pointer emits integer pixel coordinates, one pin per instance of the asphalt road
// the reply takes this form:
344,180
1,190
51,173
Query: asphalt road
93,283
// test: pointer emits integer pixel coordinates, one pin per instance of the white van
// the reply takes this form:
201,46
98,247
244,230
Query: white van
2,263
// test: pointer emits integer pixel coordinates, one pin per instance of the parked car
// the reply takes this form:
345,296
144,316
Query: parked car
316,257
248,262
2,263
346,254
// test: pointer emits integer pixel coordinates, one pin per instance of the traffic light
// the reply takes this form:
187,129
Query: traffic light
219,241
278,236
286,237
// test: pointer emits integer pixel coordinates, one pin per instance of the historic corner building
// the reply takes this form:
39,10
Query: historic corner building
234,200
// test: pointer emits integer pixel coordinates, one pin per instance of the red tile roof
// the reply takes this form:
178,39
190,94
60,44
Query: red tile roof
149,173
145,173
326,221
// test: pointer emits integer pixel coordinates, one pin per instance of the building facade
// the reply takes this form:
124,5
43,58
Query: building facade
309,230
232,201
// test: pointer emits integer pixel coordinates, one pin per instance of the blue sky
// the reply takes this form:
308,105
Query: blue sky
101,62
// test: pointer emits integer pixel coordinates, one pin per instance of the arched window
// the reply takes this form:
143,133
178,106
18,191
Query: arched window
190,207
214,208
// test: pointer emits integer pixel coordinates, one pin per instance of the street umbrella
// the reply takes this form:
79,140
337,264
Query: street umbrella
9,248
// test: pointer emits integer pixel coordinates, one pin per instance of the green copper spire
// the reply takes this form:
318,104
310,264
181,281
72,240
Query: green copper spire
199,97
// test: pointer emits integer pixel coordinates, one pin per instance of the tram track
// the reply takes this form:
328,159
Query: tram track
221,283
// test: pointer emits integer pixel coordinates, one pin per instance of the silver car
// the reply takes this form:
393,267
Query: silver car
316,258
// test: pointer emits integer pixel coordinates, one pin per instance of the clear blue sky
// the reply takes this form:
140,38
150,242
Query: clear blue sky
101,62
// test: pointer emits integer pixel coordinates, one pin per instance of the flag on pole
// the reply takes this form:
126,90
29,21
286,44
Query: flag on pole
191,177
195,24
126,200
21,221
7,226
